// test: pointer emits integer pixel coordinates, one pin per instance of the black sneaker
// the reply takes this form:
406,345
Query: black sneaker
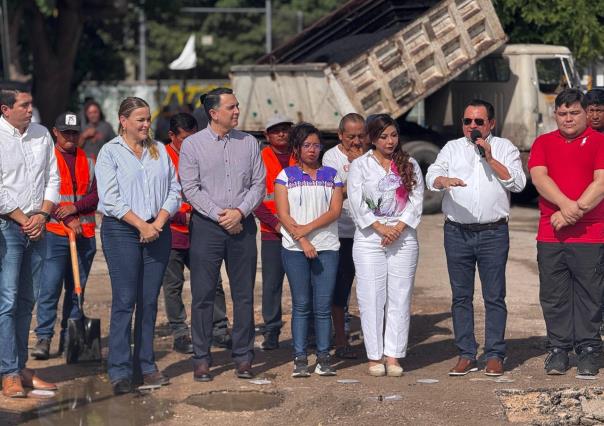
271,341
222,341
42,349
324,367
587,362
556,362
183,344
301,367
122,387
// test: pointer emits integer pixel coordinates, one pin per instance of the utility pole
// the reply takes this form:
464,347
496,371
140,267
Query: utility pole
269,26
5,40
300,19
142,43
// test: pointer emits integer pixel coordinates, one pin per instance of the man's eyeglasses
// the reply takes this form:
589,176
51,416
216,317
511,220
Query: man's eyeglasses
478,121
309,146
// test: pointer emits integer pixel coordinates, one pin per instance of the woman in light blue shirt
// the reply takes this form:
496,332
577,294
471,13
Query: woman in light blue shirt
138,192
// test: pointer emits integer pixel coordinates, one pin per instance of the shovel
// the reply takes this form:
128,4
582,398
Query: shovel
83,338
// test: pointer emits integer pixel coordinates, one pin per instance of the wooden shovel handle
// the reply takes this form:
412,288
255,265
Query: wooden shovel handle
75,267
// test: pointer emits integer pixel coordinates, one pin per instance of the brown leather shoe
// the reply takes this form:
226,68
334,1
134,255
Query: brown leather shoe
463,367
30,380
12,387
244,370
201,372
494,367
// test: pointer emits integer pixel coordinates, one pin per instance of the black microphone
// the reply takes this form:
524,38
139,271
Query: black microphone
475,134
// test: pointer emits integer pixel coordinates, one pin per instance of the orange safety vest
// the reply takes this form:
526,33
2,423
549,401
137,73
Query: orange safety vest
273,168
184,207
84,170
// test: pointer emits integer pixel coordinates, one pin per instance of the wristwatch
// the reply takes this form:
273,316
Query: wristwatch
46,215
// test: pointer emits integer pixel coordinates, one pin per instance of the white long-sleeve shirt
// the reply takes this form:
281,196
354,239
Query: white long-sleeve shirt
28,168
372,194
485,198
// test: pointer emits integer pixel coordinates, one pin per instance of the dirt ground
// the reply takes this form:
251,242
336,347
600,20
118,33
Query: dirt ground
85,397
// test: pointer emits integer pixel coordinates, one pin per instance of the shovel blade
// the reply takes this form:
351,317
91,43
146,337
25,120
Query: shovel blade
83,340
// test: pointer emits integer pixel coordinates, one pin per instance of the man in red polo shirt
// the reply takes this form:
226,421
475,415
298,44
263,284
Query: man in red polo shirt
567,168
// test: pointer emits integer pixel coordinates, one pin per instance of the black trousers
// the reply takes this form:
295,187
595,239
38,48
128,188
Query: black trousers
174,281
210,246
346,272
571,278
272,285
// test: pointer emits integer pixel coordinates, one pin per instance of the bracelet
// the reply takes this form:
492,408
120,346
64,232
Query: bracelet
46,215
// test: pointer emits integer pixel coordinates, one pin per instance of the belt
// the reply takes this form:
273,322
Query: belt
477,227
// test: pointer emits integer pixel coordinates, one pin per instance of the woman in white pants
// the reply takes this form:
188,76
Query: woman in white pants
385,192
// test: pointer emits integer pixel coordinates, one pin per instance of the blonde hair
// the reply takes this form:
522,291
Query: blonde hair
127,106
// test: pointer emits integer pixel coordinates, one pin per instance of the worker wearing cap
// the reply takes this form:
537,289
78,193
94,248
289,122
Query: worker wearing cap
276,156
76,209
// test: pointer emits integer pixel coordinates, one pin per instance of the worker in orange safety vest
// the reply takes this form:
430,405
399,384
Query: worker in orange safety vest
276,156
76,209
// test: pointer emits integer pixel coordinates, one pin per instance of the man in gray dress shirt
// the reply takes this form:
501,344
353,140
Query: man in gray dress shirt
222,177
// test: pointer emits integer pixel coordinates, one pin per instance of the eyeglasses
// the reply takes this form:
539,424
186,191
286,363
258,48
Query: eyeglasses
309,146
478,121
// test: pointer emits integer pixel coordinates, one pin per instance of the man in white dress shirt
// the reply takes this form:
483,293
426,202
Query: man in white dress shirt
477,173
29,188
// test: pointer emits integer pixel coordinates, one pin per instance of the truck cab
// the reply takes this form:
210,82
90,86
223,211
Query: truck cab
520,80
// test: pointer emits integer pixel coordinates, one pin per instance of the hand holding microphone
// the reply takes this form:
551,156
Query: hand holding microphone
474,135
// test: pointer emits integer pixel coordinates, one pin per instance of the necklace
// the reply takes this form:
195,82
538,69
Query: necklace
380,161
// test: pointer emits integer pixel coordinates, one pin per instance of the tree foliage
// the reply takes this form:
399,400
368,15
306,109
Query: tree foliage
577,24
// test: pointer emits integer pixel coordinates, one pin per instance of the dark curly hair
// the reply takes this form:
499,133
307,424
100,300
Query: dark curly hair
298,134
376,124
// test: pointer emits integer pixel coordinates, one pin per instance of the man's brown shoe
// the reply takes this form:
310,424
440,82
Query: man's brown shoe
12,387
30,380
201,372
494,367
463,367
243,370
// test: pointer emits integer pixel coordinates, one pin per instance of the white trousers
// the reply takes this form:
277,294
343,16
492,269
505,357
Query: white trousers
385,277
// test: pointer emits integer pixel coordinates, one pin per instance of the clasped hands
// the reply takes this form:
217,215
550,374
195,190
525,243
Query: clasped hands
389,233
149,232
298,233
34,227
570,212
230,220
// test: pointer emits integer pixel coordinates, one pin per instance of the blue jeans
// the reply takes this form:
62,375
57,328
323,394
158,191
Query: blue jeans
312,282
57,273
487,249
21,262
136,271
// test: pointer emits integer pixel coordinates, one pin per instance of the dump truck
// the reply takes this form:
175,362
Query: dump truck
420,62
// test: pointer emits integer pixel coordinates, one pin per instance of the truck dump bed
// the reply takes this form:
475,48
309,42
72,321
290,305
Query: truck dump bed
369,56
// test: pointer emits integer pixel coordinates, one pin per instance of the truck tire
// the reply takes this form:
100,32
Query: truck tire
425,154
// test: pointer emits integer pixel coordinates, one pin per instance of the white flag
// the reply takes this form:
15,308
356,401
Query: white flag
187,58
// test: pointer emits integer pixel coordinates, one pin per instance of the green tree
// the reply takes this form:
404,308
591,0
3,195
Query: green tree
577,24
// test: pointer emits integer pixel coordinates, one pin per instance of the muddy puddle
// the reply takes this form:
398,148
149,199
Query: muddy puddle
91,402
234,401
